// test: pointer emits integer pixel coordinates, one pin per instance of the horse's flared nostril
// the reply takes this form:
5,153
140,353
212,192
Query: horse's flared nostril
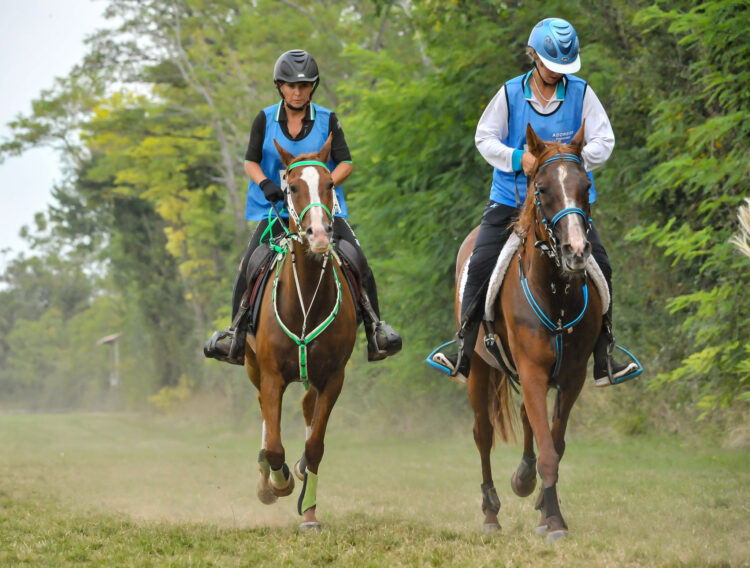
328,228
309,231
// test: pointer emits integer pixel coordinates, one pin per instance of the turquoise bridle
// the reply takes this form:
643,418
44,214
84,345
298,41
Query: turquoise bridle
549,224
557,328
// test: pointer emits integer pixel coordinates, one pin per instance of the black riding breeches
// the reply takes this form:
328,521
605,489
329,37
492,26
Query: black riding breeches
494,231
600,255
341,230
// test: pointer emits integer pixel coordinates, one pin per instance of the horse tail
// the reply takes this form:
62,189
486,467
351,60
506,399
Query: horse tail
500,406
742,239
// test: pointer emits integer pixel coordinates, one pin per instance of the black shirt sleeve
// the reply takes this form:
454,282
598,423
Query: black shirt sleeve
257,134
339,149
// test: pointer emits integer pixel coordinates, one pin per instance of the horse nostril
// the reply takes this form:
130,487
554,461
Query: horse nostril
329,228
587,249
309,231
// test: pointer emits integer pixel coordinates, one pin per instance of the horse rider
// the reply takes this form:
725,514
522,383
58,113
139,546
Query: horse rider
300,126
555,102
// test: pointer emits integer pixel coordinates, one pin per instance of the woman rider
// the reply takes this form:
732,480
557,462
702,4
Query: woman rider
555,103
300,126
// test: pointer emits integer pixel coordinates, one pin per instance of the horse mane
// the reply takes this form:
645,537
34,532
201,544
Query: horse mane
526,218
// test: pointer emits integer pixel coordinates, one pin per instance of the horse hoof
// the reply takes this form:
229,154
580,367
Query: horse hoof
553,536
522,491
298,471
312,526
283,491
265,495
491,527
541,530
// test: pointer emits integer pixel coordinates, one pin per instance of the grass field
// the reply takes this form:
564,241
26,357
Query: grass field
125,490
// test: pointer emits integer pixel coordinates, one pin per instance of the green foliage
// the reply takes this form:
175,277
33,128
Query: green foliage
152,126
700,139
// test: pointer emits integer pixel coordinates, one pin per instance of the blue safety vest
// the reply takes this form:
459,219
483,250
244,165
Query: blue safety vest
559,126
258,206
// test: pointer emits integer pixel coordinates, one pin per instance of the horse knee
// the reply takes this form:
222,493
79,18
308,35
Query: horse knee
547,466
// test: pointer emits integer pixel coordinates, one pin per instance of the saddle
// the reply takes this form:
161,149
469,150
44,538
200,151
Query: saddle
493,352
262,263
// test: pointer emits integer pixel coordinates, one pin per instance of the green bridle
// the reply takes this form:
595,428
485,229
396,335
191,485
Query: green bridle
305,337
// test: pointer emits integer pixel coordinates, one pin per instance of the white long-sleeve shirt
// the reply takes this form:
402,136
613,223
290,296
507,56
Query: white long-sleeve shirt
599,138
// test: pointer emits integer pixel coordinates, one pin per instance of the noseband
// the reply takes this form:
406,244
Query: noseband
549,224
290,205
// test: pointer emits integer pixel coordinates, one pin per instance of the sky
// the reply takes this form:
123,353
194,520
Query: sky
39,40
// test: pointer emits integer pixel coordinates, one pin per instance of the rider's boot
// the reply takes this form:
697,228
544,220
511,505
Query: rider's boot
229,345
382,339
607,371
459,364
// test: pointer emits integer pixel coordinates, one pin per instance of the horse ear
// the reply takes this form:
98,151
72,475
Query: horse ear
578,139
536,146
286,157
325,151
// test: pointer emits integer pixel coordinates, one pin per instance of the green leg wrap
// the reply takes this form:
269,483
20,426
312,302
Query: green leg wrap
308,497
280,476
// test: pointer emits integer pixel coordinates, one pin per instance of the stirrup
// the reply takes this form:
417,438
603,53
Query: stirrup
382,341
216,348
444,364
629,371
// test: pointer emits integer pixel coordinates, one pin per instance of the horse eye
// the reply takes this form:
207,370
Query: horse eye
293,188
538,187
330,185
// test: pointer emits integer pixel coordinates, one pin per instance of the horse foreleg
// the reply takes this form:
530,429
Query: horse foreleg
523,480
478,387
534,383
280,481
564,406
314,447
308,408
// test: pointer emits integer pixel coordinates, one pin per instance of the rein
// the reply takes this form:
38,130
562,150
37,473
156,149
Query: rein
283,248
551,248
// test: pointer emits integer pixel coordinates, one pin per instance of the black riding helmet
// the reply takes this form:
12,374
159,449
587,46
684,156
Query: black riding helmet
296,66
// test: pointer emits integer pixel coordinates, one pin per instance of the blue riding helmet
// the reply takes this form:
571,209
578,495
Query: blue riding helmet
556,43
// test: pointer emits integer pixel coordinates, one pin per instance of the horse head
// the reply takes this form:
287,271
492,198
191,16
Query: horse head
310,196
559,189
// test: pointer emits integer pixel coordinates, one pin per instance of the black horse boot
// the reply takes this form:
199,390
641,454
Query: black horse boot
607,371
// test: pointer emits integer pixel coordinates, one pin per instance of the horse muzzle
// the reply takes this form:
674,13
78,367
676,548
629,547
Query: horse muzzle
319,237
574,260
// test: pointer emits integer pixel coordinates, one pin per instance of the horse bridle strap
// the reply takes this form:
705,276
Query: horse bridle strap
308,163
292,212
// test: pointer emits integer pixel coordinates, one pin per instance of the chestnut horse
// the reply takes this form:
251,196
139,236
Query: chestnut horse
306,330
546,322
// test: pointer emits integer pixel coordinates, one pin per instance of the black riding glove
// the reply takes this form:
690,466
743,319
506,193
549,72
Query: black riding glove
272,191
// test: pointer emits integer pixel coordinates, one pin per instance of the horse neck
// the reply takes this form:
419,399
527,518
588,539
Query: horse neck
308,268
544,276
